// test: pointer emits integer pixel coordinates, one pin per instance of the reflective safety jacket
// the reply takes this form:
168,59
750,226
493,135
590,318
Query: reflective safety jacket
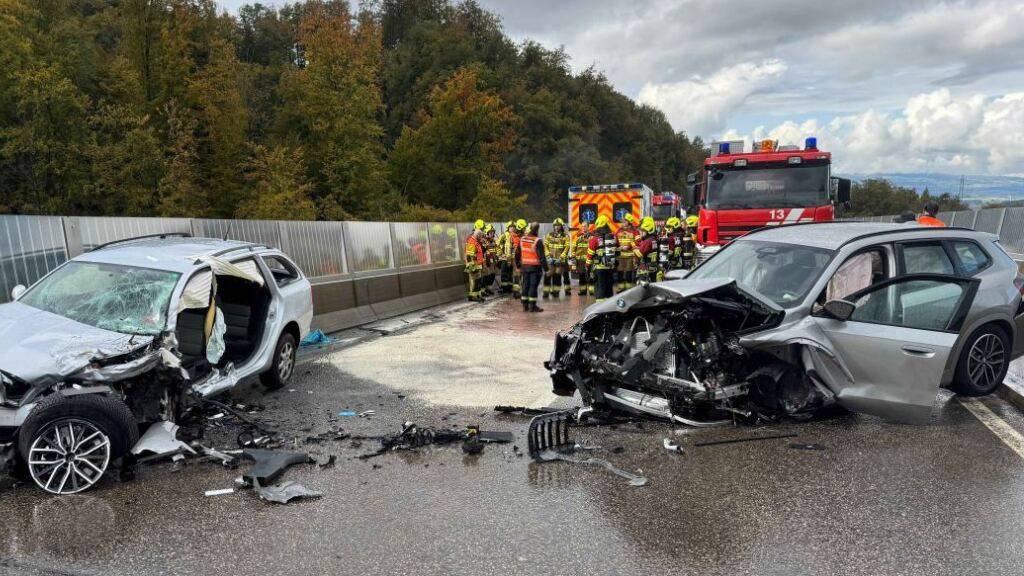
490,250
926,220
602,249
626,237
474,251
511,244
501,245
557,247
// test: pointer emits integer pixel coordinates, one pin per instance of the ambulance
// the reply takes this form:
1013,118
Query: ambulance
615,201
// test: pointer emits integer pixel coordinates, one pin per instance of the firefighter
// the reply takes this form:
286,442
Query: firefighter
929,218
451,247
490,259
532,261
675,237
690,246
603,258
556,246
626,269
647,250
474,265
520,229
504,258
577,257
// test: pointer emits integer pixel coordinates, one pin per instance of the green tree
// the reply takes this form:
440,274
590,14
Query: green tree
332,107
180,191
277,186
460,143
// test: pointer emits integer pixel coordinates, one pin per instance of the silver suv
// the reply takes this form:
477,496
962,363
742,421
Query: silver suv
787,321
128,334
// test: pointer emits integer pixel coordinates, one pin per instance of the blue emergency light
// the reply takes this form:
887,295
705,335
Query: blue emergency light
723,148
811,143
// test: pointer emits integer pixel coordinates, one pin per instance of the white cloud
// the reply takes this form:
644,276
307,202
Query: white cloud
935,132
703,105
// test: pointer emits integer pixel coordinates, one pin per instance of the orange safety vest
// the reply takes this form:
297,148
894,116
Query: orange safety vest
926,220
478,251
528,248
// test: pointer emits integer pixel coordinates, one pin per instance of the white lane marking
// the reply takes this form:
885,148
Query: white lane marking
997,425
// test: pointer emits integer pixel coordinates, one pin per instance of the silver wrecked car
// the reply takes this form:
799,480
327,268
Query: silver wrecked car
128,334
871,317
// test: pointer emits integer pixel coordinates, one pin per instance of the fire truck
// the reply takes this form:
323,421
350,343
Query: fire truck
772,185
664,206
586,203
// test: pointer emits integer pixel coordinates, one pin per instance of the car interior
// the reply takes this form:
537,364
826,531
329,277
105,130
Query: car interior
244,305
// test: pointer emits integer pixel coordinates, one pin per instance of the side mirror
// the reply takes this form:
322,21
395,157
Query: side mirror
843,186
840,309
17,291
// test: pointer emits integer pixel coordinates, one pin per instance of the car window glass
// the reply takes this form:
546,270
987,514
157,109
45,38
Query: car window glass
857,273
921,304
282,270
972,257
928,258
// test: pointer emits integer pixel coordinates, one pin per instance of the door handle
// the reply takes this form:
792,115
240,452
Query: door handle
918,351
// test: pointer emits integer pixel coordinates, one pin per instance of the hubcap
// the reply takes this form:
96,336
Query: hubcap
69,456
985,361
286,361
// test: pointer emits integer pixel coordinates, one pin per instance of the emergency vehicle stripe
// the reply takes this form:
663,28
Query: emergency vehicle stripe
605,202
793,215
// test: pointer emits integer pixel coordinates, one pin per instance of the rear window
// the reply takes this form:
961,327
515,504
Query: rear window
972,258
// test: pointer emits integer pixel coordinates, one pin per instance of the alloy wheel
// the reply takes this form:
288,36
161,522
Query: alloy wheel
286,361
69,456
985,361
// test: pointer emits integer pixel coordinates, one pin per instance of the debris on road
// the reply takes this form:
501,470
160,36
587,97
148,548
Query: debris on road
270,464
524,411
494,437
556,456
549,441
672,446
285,492
316,337
412,437
161,439
220,492
347,413
812,447
745,439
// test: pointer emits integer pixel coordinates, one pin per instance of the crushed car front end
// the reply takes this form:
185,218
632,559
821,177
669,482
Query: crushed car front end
673,350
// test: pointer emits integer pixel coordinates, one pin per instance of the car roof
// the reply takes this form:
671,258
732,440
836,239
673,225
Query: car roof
833,235
171,253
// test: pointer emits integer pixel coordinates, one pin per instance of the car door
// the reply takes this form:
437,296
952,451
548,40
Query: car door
296,296
892,351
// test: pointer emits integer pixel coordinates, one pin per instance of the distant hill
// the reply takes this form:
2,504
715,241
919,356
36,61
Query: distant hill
978,190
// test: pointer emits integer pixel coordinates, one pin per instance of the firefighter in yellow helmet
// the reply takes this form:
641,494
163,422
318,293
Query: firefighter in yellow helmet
504,254
690,242
577,257
675,235
517,275
490,260
556,248
479,224
626,269
645,249
474,265
602,258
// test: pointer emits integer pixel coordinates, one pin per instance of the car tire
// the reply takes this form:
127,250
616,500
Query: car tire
100,430
983,362
283,367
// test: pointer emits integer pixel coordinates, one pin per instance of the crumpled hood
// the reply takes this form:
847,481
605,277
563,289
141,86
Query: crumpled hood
38,345
660,293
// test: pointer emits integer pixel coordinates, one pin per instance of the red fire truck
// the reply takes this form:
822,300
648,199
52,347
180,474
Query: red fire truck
665,205
772,185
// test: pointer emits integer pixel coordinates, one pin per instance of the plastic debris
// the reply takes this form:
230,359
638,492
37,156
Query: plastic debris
270,464
316,337
220,492
285,492
672,446
366,413
555,456
347,413
161,439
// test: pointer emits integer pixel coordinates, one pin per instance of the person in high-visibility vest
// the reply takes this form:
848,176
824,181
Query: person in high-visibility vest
474,265
626,269
651,252
603,258
929,218
533,262
556,245
505,257
577,258
517,276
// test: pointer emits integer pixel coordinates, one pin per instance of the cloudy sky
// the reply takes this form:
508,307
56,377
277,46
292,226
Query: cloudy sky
888,85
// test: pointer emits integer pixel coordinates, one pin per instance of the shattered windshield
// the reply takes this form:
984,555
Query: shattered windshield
782,272
119,298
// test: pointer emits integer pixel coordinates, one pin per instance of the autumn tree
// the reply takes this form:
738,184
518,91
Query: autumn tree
460,143
277,186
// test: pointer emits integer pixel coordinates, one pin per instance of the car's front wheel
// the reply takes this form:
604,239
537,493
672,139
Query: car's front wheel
983,362
68,442
284,363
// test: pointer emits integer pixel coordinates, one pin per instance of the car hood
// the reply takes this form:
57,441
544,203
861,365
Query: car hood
36,345
660,293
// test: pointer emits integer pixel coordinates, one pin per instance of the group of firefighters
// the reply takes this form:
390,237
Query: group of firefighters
602,261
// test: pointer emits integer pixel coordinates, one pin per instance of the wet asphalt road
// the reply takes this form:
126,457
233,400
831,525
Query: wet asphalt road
881,498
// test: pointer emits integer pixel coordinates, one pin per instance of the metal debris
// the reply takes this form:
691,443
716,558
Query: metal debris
672,446
270,464
220,492
745,439
554,455
285,492
161,439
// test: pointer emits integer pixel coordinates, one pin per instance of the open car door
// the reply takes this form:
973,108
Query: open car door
896,343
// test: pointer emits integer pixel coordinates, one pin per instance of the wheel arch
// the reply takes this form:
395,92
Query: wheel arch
997,321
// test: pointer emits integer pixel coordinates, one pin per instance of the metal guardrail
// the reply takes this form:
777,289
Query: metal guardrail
32,246
1007,223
